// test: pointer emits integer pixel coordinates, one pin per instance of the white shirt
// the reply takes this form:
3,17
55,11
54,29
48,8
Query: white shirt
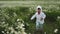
38,17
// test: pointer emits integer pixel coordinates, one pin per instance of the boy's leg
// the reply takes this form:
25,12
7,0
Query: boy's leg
41,28
37,28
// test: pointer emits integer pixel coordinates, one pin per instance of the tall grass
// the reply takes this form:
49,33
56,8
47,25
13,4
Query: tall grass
17,16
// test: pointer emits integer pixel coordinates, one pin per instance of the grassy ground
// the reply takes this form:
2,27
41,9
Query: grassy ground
31,3
29,0
49,27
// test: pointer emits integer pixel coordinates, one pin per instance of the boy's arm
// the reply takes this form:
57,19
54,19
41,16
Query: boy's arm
33,16
43,16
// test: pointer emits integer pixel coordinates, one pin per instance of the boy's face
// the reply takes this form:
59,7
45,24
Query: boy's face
39,9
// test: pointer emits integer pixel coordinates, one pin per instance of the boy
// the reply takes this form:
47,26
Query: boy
40,16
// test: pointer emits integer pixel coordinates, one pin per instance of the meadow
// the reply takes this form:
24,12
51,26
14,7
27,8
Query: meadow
15,13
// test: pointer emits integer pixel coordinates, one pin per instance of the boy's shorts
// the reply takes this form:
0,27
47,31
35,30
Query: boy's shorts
39,26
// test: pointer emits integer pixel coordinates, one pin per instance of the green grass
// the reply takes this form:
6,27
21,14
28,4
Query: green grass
29,0
48,26
30,4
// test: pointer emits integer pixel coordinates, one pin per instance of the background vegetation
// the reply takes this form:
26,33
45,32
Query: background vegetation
15,13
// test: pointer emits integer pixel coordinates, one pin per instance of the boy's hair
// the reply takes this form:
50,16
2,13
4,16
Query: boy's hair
39,9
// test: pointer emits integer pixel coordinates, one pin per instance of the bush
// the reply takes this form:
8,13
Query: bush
10,21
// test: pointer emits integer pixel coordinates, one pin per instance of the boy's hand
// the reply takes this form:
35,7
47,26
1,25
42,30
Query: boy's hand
41,19
31,19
